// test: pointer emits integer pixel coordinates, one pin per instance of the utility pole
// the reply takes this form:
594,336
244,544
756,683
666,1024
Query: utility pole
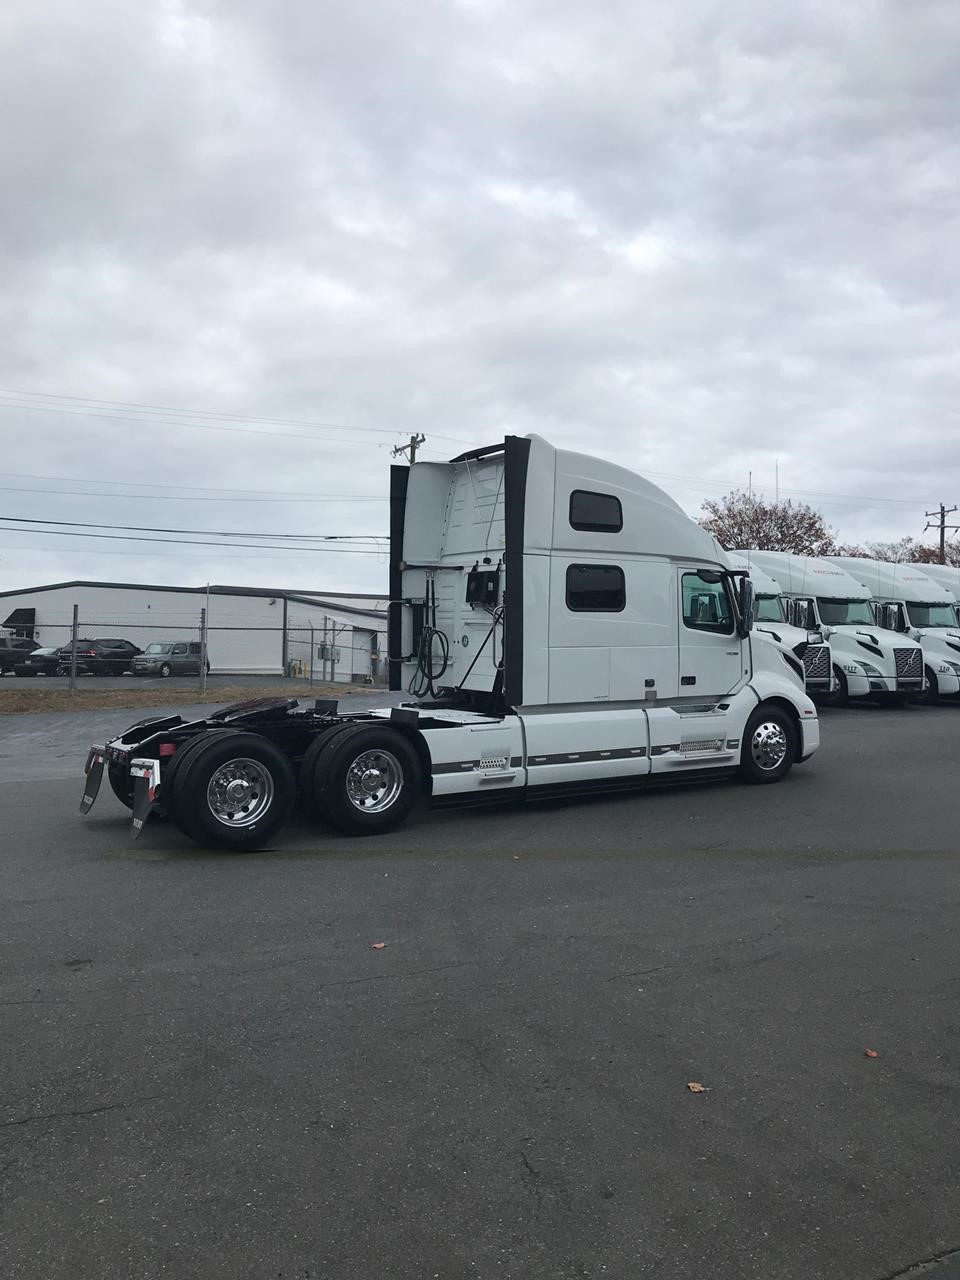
942,525
402,450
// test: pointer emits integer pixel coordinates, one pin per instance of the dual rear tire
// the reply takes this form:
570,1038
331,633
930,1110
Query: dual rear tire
361,778
236,790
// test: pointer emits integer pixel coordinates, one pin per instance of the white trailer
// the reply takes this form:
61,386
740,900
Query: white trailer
770,617
560,625
907,600
869,662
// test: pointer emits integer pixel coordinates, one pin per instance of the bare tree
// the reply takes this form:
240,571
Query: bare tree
742,520
903,551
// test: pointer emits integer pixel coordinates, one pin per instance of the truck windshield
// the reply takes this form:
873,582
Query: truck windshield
835,613
769,609
931,615
158,648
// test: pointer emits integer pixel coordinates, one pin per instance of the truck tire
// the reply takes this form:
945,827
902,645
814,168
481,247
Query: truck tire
120,784
931,695
769,745
165,670
234,790
367,779
840,696
168,775
308,785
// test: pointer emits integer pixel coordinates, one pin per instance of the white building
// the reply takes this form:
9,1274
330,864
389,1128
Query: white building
250,630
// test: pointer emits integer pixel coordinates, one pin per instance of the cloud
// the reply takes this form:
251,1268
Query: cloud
702,242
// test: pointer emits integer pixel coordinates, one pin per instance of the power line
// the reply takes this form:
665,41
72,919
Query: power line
194,542
203,556
193,488
179,497
215,533
140,409
186,424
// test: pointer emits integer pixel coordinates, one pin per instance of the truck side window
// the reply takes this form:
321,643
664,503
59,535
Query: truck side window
706,605
595,512
596,588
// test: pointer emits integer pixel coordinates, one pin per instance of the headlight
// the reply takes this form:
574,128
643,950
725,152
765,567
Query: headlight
871,670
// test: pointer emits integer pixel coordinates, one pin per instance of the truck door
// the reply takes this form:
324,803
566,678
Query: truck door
712,656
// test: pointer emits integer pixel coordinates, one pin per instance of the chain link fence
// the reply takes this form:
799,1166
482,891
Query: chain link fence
318,650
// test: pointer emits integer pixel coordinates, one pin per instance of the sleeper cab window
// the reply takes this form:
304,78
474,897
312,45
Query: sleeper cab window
706,605
596,588
595,512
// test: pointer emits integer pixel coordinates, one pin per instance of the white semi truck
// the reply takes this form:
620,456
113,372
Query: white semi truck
947,575
907,600
869,661
770,617
559,624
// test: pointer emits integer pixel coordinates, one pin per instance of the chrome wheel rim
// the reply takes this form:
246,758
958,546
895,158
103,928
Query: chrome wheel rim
240,792
768,746
374,781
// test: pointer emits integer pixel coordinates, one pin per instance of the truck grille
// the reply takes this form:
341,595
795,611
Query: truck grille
909,664
816,662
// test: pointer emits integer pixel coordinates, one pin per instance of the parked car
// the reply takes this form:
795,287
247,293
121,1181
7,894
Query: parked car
46,662
108,657
94,657
14,649
169,658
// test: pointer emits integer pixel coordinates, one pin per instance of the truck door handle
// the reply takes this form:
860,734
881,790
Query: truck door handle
688,679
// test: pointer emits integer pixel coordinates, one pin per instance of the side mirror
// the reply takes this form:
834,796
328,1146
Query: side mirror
803,615
745,601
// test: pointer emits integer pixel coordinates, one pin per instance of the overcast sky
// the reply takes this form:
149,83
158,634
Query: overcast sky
699,239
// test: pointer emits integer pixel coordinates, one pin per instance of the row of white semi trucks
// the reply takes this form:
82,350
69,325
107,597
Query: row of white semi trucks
864,629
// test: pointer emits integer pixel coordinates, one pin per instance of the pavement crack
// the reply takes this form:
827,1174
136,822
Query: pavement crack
81,1111
9,1004
638,973
478,1054
916,1270
531,1177
386,977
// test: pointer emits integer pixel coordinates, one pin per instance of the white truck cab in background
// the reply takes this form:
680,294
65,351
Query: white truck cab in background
947,575
770,617
564,623
908,600
869,662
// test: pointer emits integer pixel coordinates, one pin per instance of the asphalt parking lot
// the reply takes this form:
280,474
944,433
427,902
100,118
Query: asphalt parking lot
208,1070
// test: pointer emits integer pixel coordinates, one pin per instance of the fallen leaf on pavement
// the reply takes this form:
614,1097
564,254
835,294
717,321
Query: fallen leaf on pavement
696,1087
378,946
870,1053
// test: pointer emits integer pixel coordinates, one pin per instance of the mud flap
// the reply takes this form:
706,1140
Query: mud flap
94,771
146,776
